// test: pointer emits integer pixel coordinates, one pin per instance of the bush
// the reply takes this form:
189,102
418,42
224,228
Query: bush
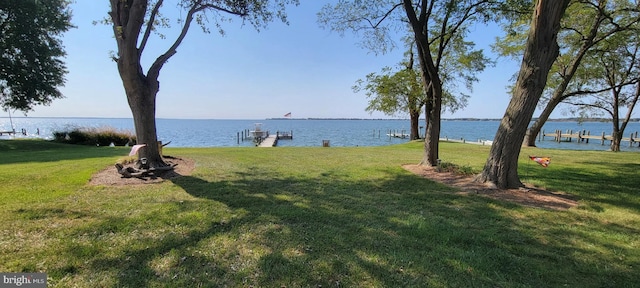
102,136
456,169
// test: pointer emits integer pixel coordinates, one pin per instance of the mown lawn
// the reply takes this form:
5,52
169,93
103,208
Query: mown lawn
314,217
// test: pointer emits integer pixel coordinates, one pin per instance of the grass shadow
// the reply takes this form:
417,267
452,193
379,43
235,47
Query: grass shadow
404,231
608,183
350,218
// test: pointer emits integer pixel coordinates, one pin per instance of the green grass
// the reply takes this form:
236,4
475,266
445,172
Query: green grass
311,217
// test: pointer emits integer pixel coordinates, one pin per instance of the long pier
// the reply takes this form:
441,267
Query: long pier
584,137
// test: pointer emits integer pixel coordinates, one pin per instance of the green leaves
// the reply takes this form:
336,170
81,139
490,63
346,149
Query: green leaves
32,51
393,93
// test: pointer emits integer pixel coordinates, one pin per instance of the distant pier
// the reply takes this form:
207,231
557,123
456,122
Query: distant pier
14,132
8,132
265,138
398,135
462,140
584,137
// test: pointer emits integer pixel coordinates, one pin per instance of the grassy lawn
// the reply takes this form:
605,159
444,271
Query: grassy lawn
314,217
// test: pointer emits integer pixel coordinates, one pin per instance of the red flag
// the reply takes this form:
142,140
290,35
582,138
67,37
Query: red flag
287,115
544,161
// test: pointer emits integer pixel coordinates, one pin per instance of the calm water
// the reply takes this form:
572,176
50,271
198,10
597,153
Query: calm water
223,133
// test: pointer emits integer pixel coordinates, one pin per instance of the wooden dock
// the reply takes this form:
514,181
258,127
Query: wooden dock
270,141
584,137
14,132
284,135
462,140
398,135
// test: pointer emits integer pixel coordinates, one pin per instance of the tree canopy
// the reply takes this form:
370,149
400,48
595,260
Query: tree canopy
438,29
608,82
135,21
586,24
31,65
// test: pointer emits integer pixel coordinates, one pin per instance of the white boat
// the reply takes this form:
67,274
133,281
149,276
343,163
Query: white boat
258,133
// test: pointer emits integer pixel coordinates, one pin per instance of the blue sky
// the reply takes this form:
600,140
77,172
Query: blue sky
299,68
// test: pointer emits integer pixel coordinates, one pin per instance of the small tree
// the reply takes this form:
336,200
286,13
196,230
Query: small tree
31,60
434,25
403,92
396,93
611,81
133,23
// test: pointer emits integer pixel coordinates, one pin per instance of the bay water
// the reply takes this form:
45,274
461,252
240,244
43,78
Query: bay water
306,132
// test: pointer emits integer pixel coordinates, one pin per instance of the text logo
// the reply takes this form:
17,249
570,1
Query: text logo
23,280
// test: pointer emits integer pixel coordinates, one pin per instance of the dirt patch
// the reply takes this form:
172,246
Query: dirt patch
527,196
110,176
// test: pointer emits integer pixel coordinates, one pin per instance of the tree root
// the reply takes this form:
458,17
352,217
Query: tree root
130,172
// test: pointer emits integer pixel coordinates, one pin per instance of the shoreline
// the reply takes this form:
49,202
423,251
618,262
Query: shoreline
570,119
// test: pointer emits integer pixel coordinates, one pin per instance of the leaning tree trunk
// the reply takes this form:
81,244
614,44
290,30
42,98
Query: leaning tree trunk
541,51
559,94
618,132
534,130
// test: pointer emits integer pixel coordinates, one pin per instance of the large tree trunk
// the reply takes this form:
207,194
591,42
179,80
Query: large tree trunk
541,51
430,81
415,123
141,95
141,90
432,134
616,138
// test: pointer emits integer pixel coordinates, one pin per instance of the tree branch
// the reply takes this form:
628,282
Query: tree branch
196,6
630,108
593,92
590,105
154,70
222,9
384,17
147,32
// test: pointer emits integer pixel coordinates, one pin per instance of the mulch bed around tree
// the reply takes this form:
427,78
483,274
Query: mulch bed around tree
110,176
527,196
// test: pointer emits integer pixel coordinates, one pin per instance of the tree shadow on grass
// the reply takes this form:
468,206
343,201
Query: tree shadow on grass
394,231
403,231
618,185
